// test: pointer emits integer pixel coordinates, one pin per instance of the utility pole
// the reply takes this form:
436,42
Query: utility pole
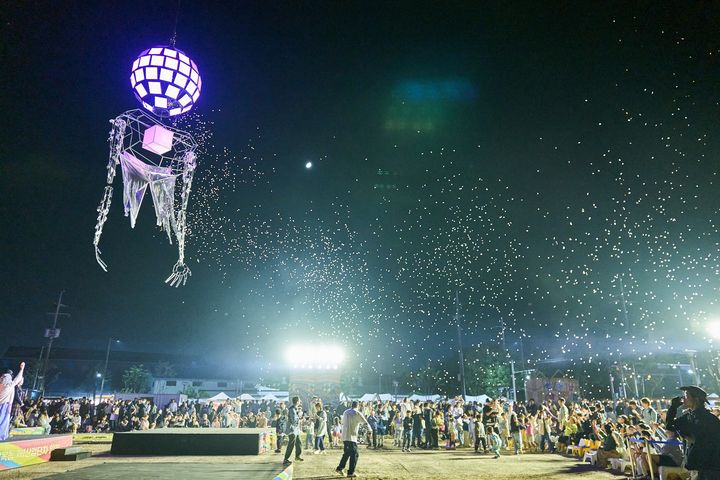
623,389
502,335
642,383
52,334
460,350
624,307
637,392
38,366
694,366
107,359
512,370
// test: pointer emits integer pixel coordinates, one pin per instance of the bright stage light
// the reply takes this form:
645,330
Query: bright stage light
321,357
308,165
713,329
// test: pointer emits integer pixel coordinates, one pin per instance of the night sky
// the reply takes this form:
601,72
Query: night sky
531,156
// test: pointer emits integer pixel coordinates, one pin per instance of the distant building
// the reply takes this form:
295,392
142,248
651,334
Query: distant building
211,386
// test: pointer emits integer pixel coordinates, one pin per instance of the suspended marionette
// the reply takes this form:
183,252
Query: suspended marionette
152,154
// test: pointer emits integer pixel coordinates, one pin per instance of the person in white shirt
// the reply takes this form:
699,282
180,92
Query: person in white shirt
7,395
351,421
562,413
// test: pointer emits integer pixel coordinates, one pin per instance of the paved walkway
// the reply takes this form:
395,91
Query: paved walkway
133,470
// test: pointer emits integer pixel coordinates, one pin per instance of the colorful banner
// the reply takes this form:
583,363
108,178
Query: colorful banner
92,438
266,442
21,453
286,474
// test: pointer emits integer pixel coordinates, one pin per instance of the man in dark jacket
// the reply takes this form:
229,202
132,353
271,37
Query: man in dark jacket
701,430
427,417
292,429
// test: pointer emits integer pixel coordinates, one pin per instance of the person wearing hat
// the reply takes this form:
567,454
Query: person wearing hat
701,430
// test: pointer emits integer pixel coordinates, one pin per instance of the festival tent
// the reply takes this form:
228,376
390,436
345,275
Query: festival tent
246,396
371,397
425,398
476,398
220,397
270,397
262,388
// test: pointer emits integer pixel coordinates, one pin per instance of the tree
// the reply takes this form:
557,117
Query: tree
192,392
164,369
136,379
428,380
486,373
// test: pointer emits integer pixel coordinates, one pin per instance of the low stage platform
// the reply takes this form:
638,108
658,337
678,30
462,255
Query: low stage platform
21,451
193,441
177,471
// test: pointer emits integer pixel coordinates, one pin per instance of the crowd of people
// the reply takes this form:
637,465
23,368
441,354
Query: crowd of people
80,415
647,433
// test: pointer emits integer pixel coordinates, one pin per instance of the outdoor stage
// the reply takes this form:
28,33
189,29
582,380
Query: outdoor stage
21,451
194,441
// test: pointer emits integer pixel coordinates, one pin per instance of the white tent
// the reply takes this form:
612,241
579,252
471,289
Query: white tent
269,396
220,397
425,398
368,397
245,396
476,398
262,388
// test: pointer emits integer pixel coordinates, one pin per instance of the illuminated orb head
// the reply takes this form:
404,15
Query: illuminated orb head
165,81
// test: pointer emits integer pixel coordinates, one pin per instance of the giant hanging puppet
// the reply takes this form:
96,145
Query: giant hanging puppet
153,155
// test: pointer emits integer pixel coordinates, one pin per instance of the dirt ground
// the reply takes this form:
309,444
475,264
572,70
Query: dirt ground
388,464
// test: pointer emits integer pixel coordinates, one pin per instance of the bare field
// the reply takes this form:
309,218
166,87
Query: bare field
387,464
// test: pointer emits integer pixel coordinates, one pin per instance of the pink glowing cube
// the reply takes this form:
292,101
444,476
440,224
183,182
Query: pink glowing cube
157,139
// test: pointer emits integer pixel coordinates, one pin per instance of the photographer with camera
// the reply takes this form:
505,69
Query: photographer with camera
701,430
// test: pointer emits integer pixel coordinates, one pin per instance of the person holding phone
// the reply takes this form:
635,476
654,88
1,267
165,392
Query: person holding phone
701,430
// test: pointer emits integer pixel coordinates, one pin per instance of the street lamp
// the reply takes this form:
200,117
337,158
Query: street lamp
107,359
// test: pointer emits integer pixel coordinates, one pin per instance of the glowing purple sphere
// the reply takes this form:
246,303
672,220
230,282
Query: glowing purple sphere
165,81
